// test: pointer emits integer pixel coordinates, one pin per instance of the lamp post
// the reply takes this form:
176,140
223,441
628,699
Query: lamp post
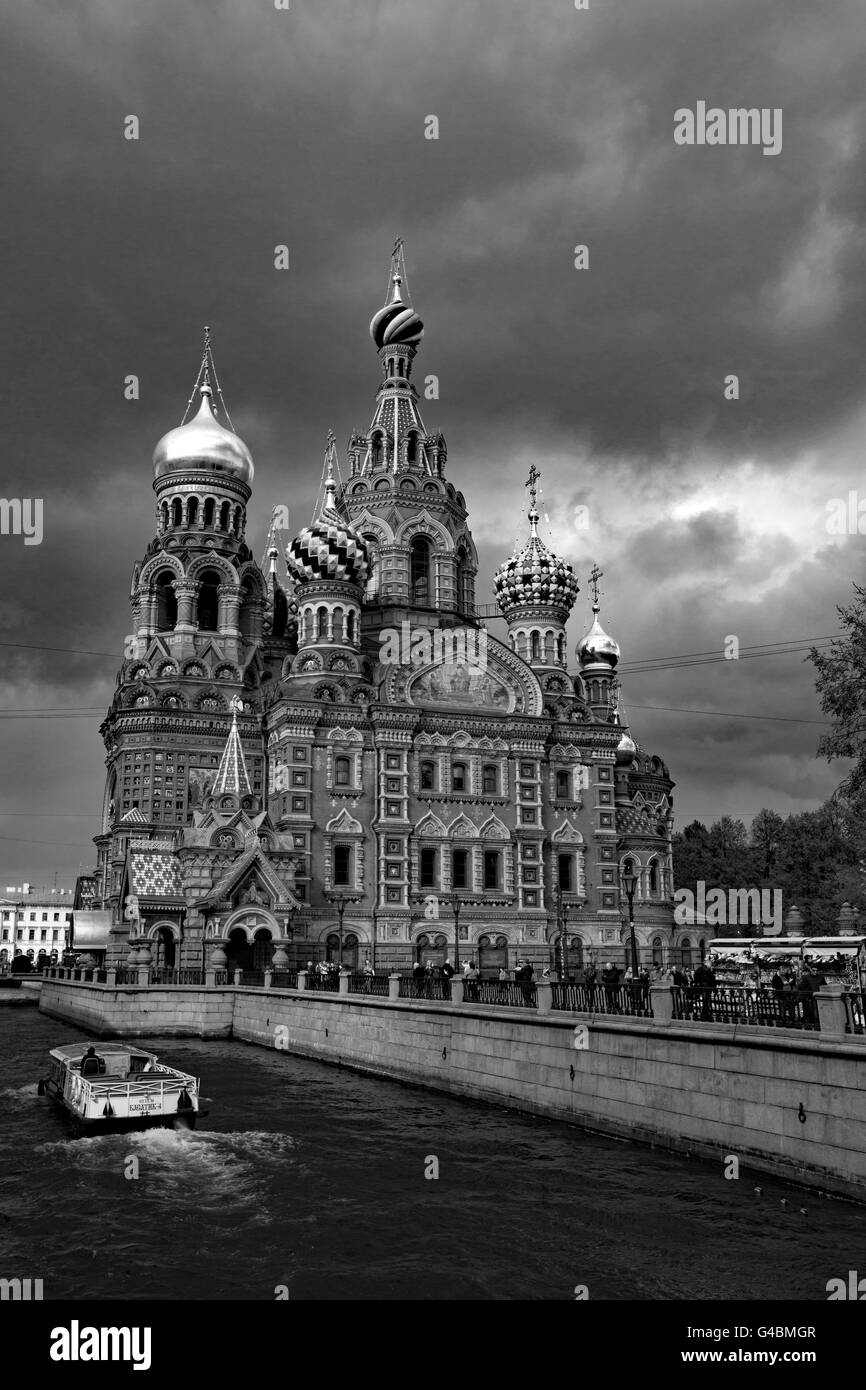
629,883
562,923
455,905
339,901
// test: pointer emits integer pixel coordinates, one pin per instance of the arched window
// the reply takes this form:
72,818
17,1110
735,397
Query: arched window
321,624
458,777
459,868
490,778
337,625
412,448
561,649
420,570
176,511
564,865
237,525
492,868
462,578
341,772
376,450
281,613
163,512
342,864
654,879
563,788
350,625
166,602
549,650
247,617
428,868
224,516
428,777
192,511
209,509
373,566
658,951
535,646
208,601
686,947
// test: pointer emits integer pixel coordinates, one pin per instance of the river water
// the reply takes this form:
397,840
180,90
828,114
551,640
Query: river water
311,1177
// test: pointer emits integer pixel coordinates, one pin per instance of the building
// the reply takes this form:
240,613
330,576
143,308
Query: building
346,753
34,920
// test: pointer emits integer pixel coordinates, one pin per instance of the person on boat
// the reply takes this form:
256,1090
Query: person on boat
91,1065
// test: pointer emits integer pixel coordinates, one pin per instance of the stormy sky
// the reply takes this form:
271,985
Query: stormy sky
306,127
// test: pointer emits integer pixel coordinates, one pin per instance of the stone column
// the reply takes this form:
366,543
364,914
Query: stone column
269,975
544,996
185,590
229,597
456,989
344,982
662,1002
832,1014
302,979
393,986
110,975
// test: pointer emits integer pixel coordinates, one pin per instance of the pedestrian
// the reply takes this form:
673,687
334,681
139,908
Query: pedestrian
610,978
418,979
472,981
503,982
428,980
705,983
369,974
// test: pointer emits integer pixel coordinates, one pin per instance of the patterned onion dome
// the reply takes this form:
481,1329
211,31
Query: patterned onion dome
596,648
329,548
396,322
203,443
534,576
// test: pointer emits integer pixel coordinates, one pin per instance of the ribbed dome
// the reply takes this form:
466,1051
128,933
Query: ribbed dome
535,576
396,322
203,443
328,549
596,648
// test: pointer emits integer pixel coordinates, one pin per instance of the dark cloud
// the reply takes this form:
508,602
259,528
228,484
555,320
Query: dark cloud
306,127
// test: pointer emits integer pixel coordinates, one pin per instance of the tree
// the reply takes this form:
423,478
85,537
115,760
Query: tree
841,687
765,834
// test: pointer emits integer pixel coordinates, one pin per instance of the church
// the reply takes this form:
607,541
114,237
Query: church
334,758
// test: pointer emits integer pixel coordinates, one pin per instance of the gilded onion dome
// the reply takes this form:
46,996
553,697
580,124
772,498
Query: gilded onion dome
203,443
329,548
597,648
626,750
534,576
396,322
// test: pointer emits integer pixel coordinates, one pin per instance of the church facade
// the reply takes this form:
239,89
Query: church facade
341,760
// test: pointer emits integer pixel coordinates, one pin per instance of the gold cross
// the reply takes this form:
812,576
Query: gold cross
594,577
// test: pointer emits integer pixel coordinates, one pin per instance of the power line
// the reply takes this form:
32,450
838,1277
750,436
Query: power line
724,714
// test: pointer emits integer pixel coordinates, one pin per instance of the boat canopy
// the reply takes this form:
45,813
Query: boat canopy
90,930
73,1051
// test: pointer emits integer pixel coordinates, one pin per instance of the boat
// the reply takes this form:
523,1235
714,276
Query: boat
114,1086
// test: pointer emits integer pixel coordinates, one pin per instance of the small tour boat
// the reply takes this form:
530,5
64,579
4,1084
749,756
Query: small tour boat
112,1085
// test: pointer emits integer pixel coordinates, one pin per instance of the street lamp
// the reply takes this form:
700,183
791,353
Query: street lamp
629,883
339,901
455,905
562,924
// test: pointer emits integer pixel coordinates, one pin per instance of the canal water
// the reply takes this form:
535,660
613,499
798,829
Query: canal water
312,1177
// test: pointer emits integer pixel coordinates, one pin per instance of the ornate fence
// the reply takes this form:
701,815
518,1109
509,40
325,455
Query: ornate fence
171,975
500,992
855,1011
368,984
424,988
734,1004
632,1001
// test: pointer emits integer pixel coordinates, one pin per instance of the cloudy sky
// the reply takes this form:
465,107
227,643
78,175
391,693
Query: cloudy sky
306,127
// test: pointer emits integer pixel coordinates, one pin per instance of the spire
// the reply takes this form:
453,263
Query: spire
531,483
232,777
330,483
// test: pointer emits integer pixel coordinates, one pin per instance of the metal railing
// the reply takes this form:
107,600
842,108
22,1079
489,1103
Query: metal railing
425,988
175,975
359,983
126,975
628,1000
735,1004
514,994
328,983
284,979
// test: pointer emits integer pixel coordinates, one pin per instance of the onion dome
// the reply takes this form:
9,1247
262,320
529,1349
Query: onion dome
396,322
329,548
596,648
626,749
534,576
203,443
